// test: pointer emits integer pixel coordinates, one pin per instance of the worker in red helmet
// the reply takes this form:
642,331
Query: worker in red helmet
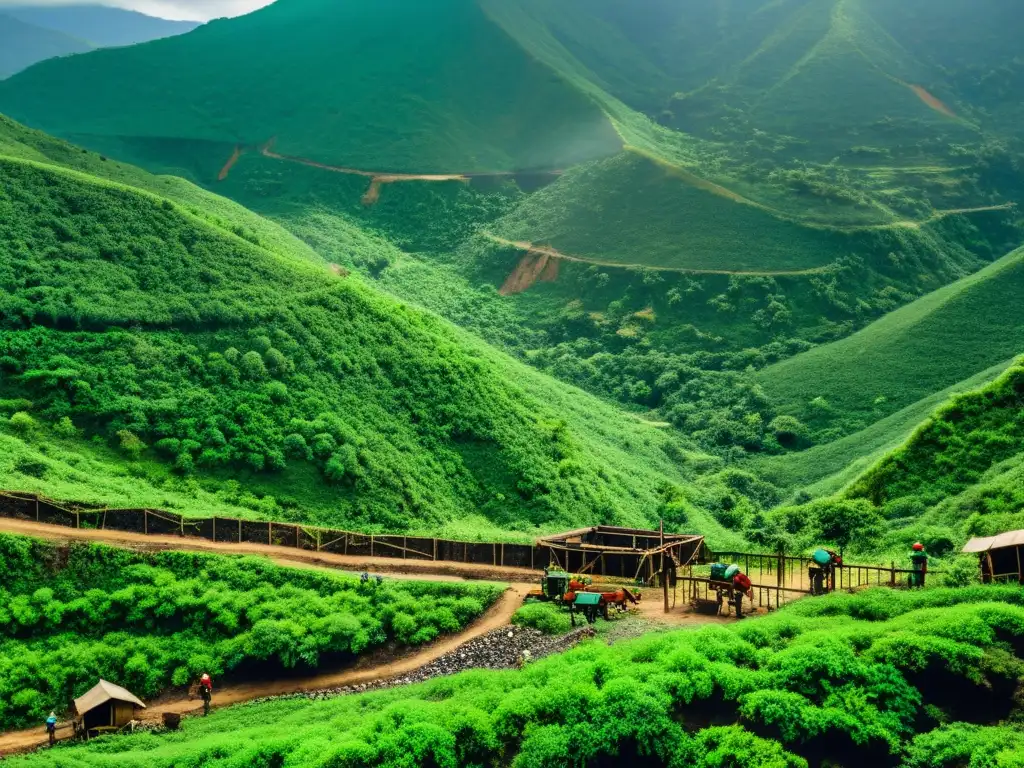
206,691
741,586
918,564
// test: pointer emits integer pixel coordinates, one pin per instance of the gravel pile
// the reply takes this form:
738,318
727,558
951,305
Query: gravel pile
505,648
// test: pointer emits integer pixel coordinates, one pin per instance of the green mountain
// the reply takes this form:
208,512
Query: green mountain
338,83
22,44
159,348
688,208
101,25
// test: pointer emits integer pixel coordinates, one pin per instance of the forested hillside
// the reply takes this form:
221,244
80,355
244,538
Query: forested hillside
707,212
219,365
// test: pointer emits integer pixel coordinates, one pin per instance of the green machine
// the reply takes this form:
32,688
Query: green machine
554,585
589,604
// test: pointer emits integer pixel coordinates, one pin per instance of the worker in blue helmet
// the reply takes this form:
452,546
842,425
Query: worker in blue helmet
51,728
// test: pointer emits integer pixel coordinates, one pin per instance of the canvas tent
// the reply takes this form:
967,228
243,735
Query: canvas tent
106,706
1001,556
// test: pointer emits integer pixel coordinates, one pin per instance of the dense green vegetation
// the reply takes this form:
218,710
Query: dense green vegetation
877,678
23,44
954,450
549,618
211,354
151,622
925,347
763,137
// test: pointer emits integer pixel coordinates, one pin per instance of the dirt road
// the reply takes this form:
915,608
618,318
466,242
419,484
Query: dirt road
426,569
367,670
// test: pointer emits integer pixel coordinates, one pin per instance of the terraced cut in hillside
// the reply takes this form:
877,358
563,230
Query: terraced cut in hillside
627,211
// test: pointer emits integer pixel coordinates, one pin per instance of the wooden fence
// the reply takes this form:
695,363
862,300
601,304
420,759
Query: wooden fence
235,531
791,571
767,596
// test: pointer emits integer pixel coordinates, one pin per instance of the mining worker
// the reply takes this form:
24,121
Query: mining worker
741,586
51,728
919,564
822,572
206,691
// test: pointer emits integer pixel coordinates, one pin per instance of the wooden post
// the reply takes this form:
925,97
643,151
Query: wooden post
892,573
405,547
664,569
435,553
371,545
239,530
270,532
37,510
494,554
298,544
503,553
1020,573
145,521
214,527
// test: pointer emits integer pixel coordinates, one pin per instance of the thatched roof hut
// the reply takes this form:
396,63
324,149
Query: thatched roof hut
107,706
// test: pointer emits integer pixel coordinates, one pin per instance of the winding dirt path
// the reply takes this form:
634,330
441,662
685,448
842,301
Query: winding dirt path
367,670
424,569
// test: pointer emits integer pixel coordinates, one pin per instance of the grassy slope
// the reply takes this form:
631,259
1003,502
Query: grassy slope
826,469
346,357
18,141
332,81
630,210
839,678
23,44
908,355
955,448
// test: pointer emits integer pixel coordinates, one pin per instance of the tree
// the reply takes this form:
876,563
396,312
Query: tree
841,521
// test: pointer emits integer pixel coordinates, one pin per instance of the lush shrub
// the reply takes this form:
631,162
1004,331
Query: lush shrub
547,617
152,621
820,680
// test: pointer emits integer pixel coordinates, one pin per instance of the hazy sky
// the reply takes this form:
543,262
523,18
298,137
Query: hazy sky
194,10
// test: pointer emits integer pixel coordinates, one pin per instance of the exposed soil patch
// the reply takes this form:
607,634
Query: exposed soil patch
530,268
230,163
933,102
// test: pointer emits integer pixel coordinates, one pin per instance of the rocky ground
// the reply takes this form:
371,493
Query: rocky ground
505,648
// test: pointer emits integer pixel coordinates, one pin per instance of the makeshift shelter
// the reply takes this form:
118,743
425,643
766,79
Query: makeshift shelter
1001,556
106,707
625,552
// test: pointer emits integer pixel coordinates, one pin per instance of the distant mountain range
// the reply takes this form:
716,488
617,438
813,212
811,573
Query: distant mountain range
29,34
